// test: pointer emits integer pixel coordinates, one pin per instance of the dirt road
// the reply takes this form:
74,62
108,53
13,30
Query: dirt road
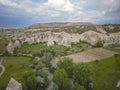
3,68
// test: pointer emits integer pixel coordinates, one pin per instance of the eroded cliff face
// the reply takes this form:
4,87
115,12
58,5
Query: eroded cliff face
63,38
51,38
112,40
92,37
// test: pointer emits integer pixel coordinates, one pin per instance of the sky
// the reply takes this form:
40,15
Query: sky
22,13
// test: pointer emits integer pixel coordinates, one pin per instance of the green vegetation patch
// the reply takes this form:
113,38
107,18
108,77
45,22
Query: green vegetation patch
0,69
106,74
34,49
114,49
111,28
3,44
59,50
15,67
37,48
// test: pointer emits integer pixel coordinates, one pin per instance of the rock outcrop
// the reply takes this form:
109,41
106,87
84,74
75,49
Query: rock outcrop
17,44
10,47
112,40
92,37
118,84
51,38
14,85
65,39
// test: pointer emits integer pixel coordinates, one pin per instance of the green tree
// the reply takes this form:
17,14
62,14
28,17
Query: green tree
40,65
46,51
43,72
116,56
78,87
60,78
83,74
47,58
30,81
42,83
99,44
67,64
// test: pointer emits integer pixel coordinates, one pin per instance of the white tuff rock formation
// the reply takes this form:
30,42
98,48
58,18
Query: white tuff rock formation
10,47
17,44
112,39
100,30
14,85
92,37
65,39
118,84
30,40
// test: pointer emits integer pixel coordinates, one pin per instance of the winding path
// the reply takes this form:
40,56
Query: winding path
3,68
50,77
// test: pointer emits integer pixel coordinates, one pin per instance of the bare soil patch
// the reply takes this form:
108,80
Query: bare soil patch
88,55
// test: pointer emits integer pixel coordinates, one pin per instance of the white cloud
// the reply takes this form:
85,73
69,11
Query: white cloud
9,3
69,10
61,5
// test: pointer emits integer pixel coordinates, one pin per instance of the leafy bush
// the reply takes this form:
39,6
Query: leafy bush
82,73
98,44
67,64
78,87
30,81
60,78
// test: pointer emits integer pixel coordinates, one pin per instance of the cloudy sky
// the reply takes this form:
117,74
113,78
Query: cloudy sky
21,13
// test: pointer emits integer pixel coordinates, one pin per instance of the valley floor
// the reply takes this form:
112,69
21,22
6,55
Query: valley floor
106,71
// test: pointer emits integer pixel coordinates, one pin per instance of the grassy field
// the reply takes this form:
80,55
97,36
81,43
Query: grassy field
36,48
106,74
58,49
115,49
15,67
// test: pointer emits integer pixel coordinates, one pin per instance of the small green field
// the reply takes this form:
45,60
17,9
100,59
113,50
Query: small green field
15,67
36,48
106,74
115,49
58,49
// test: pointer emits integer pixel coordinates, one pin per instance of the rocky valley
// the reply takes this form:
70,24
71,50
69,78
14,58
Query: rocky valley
35,57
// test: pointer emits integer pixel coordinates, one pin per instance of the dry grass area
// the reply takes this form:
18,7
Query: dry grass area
89,55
